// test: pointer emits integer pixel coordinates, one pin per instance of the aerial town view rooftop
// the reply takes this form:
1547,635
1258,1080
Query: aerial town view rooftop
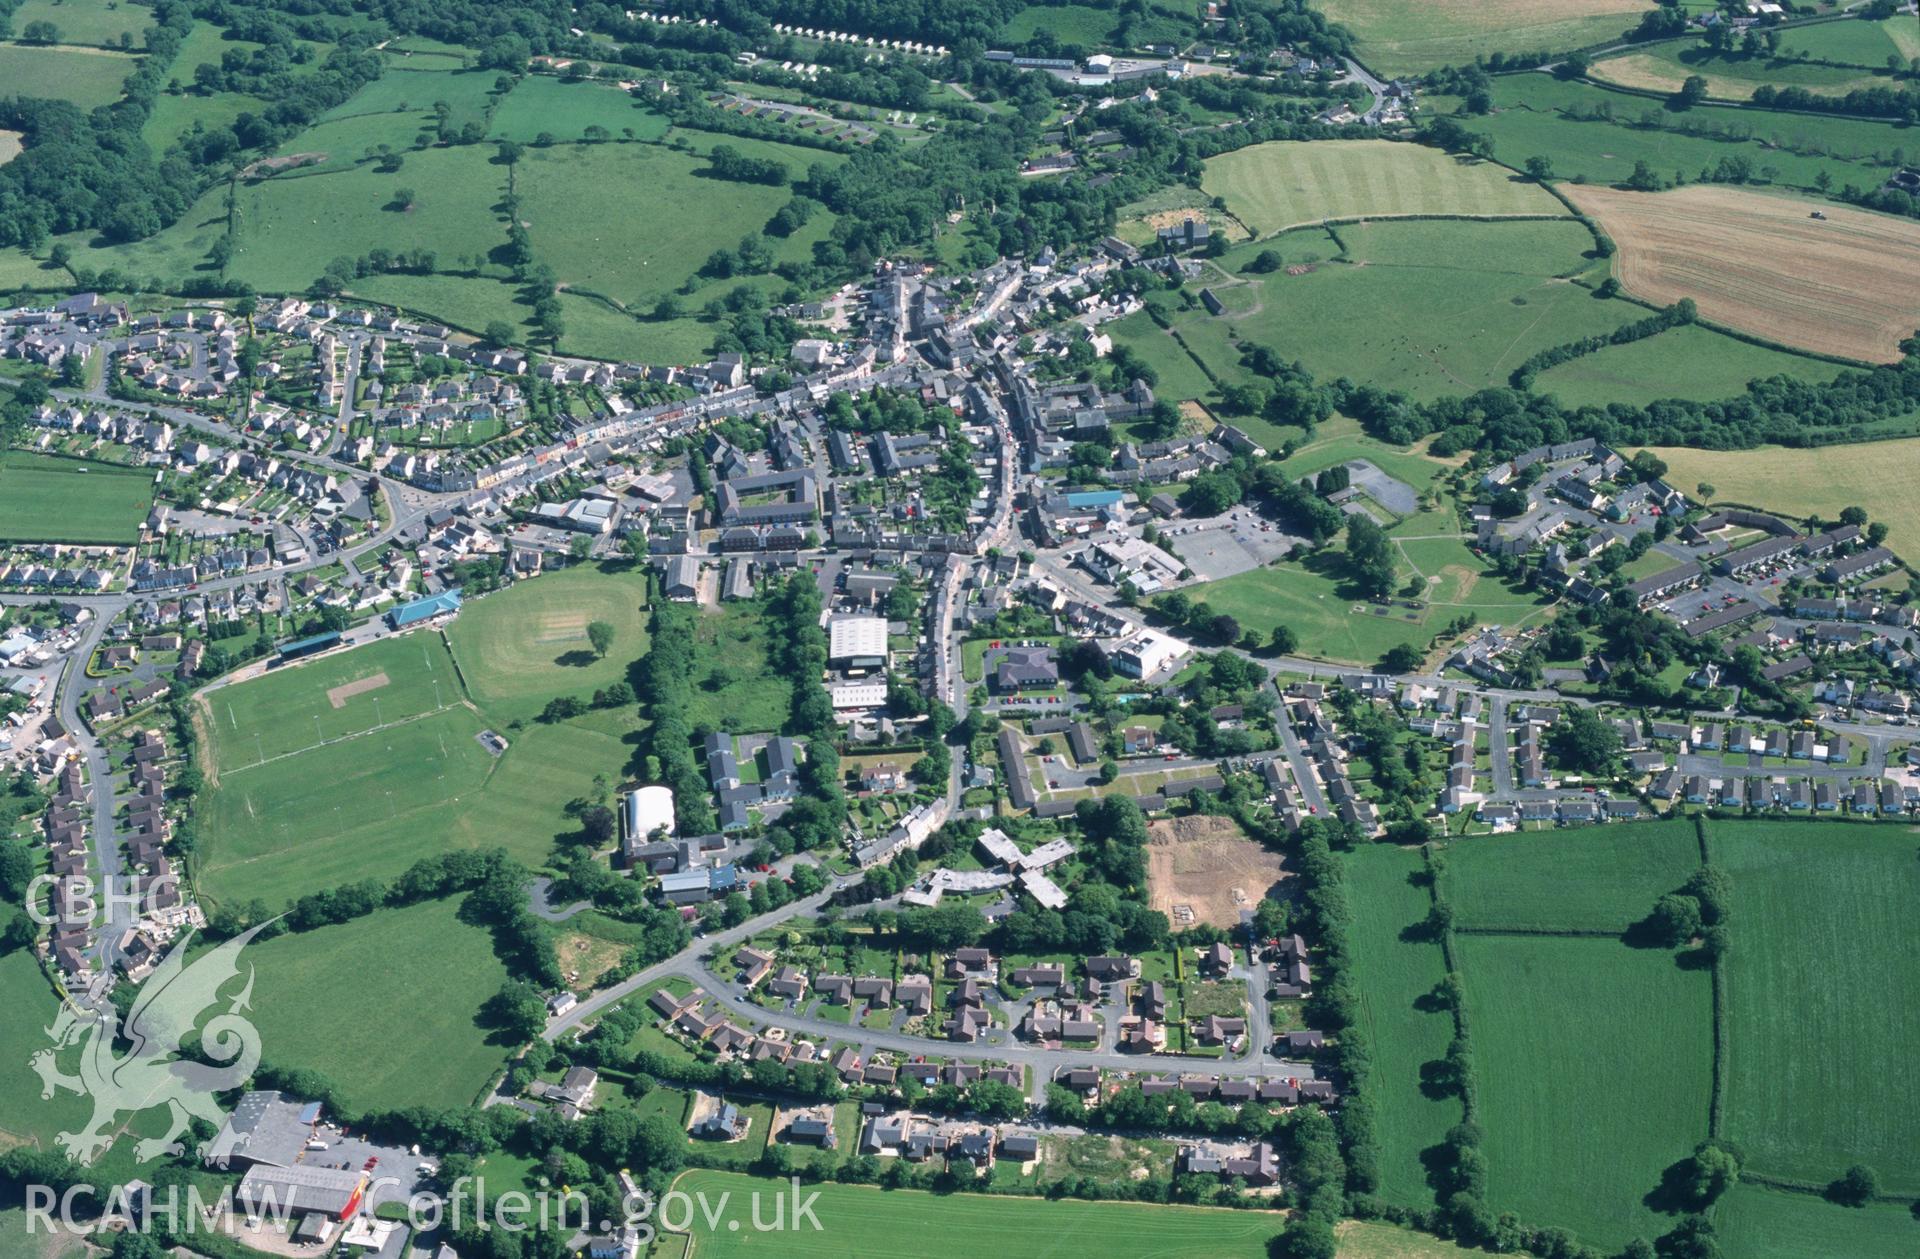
1167,629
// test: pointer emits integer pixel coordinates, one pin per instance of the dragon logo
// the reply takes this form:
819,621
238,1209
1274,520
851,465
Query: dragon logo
154,1072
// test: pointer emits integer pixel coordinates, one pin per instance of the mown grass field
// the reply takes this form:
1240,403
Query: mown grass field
1687,362
1393,975
1846,285
48,499
100,22
1879,476
26,1119
1594,1064
1274,186
521,646
1758,1223
1396,38
1448,307
301,705
857,1222
384,1006
1731,76
1595,878
374,800
88,77
1823,995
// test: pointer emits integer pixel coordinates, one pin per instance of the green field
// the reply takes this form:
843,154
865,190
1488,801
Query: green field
1396,38
1595,878
396,773
736,691
468,94
1855,43
1282,184
857,1222
1823,940
1592,132
88,77
579,204
49,499
303,705
1448,307
541,104
1686,362
1392,975
1757,1223
100,22
521,646
403,988
1594,1064
28,997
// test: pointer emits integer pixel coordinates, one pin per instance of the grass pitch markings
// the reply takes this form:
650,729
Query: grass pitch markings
1848,284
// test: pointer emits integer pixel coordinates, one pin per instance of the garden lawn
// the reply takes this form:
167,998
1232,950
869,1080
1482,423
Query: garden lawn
1393,976
88,77
384,1006
1689,362
48,499
859,1222
1594,1065
541,104
1823,943
1397,38
1758,1223
1281,184
1878,476
1593,878
521,646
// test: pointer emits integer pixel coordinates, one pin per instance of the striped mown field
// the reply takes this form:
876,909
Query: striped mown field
1285,183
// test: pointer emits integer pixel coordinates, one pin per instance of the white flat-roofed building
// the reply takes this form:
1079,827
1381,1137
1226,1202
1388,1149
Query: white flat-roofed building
858,642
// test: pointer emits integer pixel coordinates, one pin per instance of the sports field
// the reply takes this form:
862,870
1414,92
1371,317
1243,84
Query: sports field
1594,1063
1274,186
1685,362
88,77
1394,973
304,705
1398,38
523,645
1848,284
385,1006
1731,78
1595,878
1823,997
1878,476
48,499
859,1222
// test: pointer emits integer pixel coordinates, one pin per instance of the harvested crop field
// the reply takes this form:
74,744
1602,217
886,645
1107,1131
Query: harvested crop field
9,146
1286,183
1848,284
1205,869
